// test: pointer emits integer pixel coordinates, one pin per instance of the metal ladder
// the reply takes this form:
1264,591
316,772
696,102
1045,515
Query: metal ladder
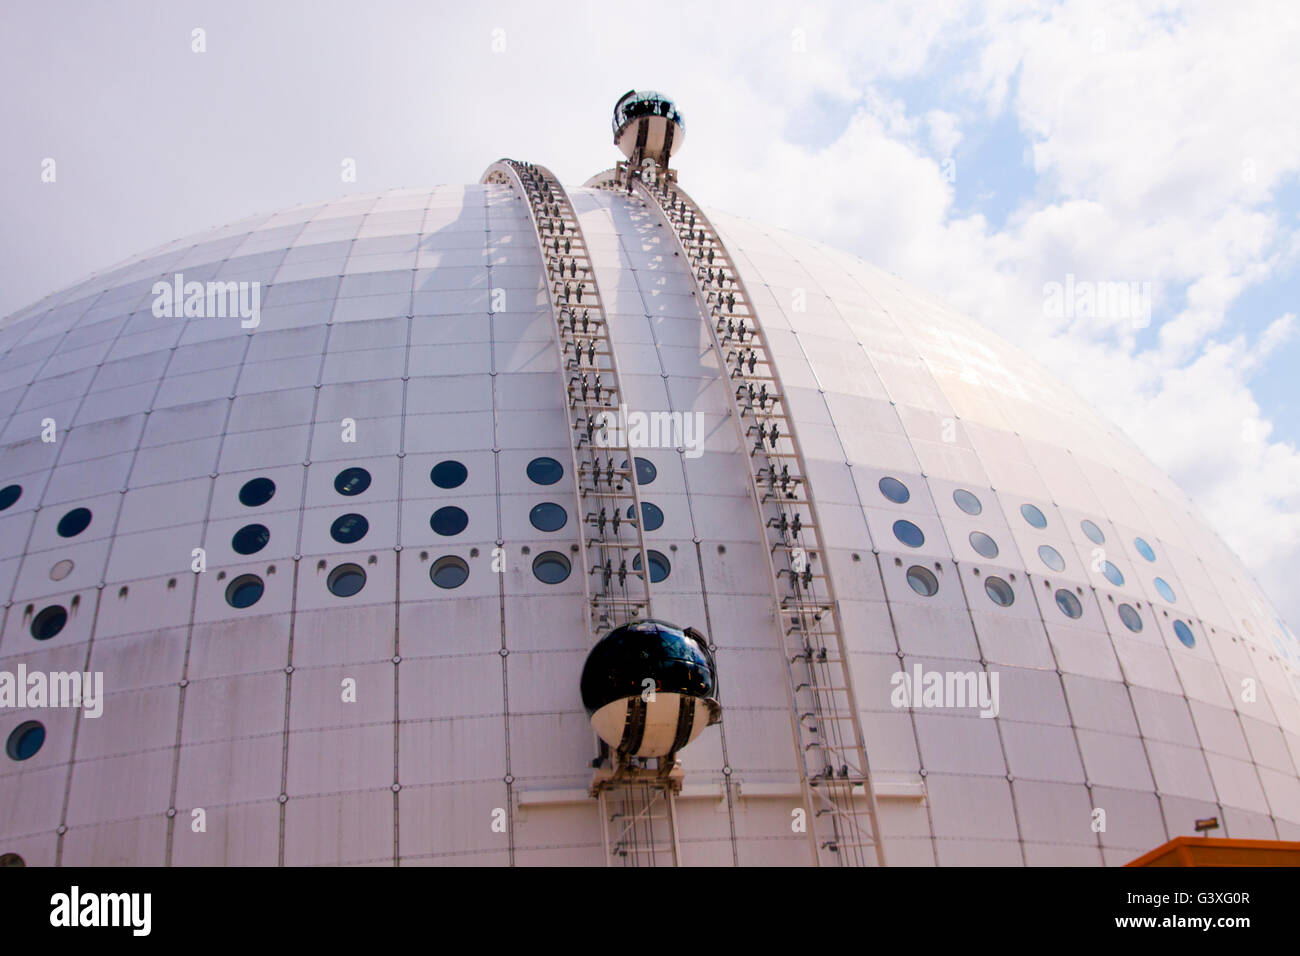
843,823
637,806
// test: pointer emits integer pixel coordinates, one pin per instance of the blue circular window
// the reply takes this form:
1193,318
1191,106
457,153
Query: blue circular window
1184,634
449,572
245,591
922,581
346,580
448,521
983,544
1131,618
448,474
908,533
1165,590
49,622
74,522
548,516
352,481
659,566
1144,549
9,494
999,592
1068,603
1033,516
257,491
551,567
1113,574
349,528
967,502
1092,531
652,518
25,740
250,539
646,471
545,471
1051,557
894,490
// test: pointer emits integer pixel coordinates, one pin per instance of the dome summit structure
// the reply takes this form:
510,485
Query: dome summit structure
310,524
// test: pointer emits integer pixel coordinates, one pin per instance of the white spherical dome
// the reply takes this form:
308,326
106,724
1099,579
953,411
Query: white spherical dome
379,659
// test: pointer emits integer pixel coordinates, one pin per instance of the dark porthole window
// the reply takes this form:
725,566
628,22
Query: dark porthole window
967,502
1184,634
1112,574
9,494
448,521
349,528
999,592
1068,603
1144,549
25,739
551,567
652,518
545,471
1033,516
49,622
346,580
256,492
659,566
352,481
245,591
1131,618
922,581
548,516
74,522
1165,590
11,859
449,474
250,539
908,533
449,572
1051,557
1092,531
983,544
894,490
646,471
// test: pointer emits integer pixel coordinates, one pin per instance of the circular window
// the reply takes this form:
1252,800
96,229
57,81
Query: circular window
548,516
908,533
9,494
1033,516
449,572
659,566
1131,618
349,528
551,567
449,474
967,502
448,521
1184,634
545,471
346,580
352,481
1165,590
894,490
250,539
1112,573
1144,549
11,859
24,740
646,471
256,492
74,522
922,581
999,592
1051,557
1092,531
61,570
652,518
245,591
49,622
1068,603
983,544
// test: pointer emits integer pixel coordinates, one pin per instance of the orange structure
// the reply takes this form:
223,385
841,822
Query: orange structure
1206,851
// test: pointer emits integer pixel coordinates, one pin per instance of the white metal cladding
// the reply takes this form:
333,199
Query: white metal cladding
380,309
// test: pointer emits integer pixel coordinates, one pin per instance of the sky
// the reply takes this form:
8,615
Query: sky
989,152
